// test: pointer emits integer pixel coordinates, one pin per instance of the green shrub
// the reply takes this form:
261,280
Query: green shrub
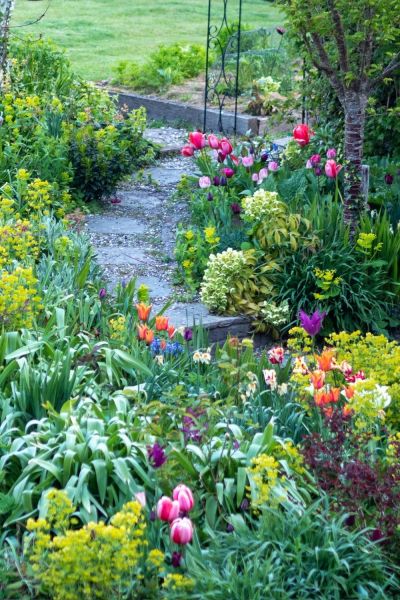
166,66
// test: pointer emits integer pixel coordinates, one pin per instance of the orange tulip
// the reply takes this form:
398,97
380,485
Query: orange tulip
149,337
142,331
334,394
326,360
328,412
143,311
317,379
163,344
161,323
321,398
347,411
349,391
171,331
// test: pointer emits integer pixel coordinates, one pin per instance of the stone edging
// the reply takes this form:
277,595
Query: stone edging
173,112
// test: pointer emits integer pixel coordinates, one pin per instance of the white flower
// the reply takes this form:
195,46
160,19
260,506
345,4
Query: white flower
270,378
283,389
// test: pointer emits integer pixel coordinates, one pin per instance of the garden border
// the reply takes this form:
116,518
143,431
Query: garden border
173,112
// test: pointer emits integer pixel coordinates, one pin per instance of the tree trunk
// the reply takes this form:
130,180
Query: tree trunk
355,104
6,7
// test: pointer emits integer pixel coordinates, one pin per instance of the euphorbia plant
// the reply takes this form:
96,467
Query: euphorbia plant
343,40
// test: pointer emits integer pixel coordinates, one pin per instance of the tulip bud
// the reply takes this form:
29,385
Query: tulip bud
184,496
389,179
331,153
182,531
187,151
167,509
264,157
213,141
223,181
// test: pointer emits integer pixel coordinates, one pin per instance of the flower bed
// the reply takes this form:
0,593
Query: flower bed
138,462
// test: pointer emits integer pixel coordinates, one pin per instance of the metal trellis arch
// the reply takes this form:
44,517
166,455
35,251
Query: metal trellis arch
223,37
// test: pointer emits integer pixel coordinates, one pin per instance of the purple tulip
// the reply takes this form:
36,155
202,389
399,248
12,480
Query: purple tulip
264,157
176,559
280,30
102,293
315,160
187,334
389,178
312,324
216,180
331,153
156,455
223,181
318,171
230,528
236,208
210,196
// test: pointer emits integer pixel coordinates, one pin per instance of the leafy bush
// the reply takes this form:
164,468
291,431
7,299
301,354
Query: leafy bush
166,66
62,130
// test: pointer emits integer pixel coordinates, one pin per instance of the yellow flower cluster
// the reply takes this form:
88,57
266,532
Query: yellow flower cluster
393,449
365,243
210,236
177,582
17,243
288,452
117,327
299,340
378,358
96,561
264,473
327,282
19,299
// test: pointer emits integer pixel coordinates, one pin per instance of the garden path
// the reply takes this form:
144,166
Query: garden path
135,235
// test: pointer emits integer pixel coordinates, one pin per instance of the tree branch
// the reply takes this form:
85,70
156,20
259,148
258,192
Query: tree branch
32,22
392,66
340,37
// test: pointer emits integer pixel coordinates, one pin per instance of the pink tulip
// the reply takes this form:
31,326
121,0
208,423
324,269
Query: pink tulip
254,177
187,150
141,498
213,141
315,160
332,169
225,146
167,509
197,139
182,531
331,153
262,174
184,496
228,172
308,164
273,166
302,134
204,182
247,161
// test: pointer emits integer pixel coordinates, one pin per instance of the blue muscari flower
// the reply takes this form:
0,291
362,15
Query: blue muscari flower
173,349
155,346
275,147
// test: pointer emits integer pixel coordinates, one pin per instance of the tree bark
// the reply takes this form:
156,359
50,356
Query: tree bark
355,104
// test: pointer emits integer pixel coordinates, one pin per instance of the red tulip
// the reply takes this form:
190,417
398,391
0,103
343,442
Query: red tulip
184,496
213,141
234,159
225,146
302,134
167,509
187,150
197,139
182,531
332,168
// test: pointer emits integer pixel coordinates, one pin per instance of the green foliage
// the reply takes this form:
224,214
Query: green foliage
359,300
63,130
165,66
292,554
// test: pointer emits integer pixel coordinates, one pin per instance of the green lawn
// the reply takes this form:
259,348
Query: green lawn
98,33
